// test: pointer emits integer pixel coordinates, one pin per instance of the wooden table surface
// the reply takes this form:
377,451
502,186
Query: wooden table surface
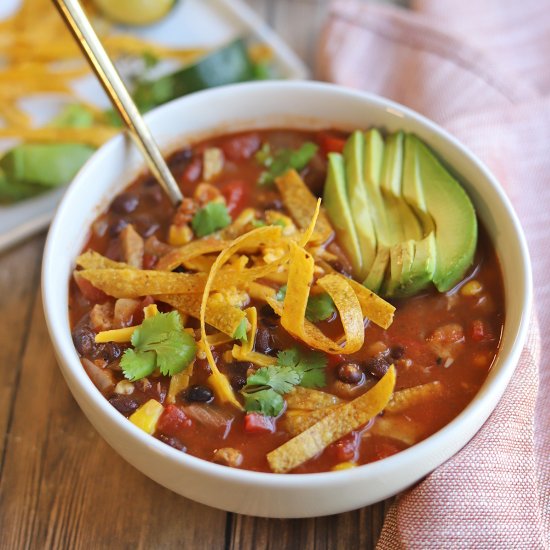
61,485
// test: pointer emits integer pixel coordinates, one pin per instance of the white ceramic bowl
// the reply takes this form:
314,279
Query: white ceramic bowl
261,105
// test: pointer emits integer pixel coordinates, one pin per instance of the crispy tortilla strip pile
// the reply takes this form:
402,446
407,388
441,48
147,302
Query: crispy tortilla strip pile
38,55
231,272
332,427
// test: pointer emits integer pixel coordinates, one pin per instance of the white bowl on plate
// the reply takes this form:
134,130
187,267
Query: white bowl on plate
267,105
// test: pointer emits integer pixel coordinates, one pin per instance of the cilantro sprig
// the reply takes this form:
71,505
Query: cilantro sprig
159,342
278,162
240,331
320,307
210,218
265,388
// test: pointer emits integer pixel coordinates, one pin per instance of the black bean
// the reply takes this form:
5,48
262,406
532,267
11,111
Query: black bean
179,269
268,318
125,203
350,373
397,352
108,352
238,382
173,442
84,340
267,341
124,404
199,393
116,227
377,366
145,225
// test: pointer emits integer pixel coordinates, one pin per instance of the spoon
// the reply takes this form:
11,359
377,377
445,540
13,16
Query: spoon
81,28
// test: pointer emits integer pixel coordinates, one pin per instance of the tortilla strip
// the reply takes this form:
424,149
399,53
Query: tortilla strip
257,291
132,283
184,253
397,428
310,399
293,310
219,314
373,307
259,359
257,237
301,204
297,421
403,399
94,260
329,429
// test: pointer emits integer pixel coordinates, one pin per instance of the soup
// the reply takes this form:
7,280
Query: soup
235,327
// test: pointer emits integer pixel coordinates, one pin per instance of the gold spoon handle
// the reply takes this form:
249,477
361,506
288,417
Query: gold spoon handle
87,39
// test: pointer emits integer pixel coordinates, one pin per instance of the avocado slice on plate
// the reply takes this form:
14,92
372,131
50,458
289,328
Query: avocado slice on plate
336,204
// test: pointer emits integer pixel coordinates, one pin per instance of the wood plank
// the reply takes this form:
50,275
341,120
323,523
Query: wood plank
63,487
357,529
19,280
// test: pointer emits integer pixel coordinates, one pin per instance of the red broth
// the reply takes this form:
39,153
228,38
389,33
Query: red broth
451,337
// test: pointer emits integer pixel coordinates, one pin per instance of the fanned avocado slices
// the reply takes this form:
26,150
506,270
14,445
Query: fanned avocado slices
412,224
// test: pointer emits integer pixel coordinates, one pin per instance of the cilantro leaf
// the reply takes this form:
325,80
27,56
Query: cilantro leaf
281,293
267,402
212,217
265,387
240,331
136,365
159,342
280,379
310,366
320,308
278,163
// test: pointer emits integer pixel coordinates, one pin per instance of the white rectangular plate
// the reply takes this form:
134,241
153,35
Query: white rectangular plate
202,23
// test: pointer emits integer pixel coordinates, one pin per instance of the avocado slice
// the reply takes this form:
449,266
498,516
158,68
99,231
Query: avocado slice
46,164
401,259
374,158
358,200
422,268
454,218
336,204
377,272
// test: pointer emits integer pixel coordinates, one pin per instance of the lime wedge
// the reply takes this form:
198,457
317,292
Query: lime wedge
135,12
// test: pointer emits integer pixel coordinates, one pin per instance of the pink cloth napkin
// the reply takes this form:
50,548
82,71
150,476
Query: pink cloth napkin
481,69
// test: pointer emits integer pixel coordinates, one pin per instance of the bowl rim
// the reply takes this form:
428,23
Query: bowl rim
491,389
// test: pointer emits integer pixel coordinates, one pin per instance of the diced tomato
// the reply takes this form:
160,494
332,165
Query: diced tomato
479,331
150,260
383,449
241,147
236,196
193,170
89,291
345,449
256,423
334,360
173,420
330,143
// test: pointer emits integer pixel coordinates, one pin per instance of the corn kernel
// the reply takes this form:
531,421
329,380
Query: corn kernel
178,235
147,416
343,466
471,288
228,356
